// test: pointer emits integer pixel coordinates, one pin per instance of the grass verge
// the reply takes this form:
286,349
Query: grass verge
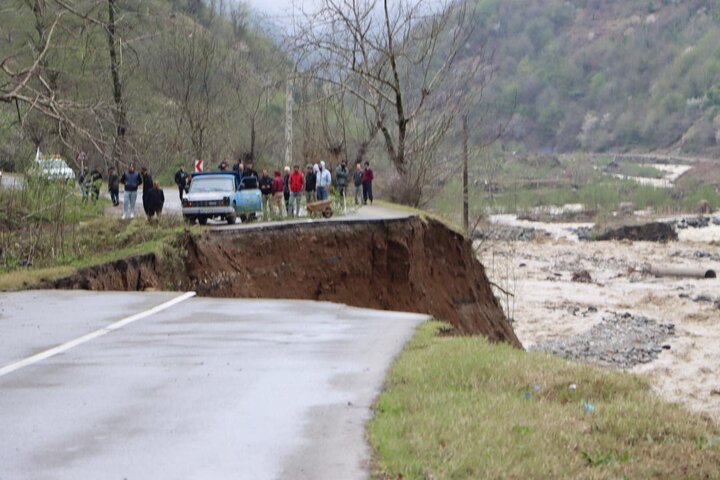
424,214
96,242
460,407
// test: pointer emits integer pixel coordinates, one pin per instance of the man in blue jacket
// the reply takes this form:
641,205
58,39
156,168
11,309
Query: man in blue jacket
132,180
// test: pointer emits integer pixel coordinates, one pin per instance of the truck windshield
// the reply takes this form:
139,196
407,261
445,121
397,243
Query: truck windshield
212,184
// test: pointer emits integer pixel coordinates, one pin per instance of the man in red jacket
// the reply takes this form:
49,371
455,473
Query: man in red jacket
297,183
367,180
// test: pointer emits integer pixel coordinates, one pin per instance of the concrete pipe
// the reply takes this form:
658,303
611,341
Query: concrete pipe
683,272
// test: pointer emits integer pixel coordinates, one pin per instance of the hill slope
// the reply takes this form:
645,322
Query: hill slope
195,82
606,74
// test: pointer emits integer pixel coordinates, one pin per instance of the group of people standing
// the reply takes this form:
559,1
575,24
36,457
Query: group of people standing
314,184
153,197
289,186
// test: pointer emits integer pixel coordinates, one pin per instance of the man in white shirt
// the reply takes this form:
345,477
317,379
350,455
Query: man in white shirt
324,180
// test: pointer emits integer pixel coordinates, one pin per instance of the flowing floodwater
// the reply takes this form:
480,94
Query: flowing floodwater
567,230
672,173
555,229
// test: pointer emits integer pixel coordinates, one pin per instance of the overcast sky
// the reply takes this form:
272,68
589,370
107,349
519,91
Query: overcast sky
280,12
279,7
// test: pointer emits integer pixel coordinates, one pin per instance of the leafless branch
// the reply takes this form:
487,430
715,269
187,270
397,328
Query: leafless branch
394,60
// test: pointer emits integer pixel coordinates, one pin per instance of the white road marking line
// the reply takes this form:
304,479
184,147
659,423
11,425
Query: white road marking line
93,335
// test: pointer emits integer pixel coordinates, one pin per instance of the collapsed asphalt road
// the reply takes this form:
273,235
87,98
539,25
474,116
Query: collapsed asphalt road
207,388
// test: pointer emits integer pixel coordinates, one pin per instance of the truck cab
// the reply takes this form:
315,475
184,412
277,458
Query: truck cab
220,195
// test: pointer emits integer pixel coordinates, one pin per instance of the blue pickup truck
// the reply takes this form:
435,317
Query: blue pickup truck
224,195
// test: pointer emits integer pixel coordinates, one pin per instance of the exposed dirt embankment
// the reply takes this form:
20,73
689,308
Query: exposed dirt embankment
407,265
137,273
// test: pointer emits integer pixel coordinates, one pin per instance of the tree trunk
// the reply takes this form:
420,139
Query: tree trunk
253,137
119,113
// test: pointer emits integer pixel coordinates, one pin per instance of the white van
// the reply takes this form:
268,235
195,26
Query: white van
52,168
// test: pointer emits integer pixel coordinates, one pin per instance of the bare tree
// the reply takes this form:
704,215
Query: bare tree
253,90
120,111
394,59
190,60
38,88
239,19
30,84
109,27
24,78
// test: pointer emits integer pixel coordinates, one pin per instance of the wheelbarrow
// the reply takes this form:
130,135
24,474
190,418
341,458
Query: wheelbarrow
323,206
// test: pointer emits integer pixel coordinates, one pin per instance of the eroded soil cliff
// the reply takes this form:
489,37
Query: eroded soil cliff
407,264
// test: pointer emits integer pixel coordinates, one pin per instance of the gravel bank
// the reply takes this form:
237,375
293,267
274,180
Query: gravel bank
621,341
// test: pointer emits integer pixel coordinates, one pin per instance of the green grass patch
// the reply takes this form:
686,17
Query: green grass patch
94,242
601,196
520,184
460,407
424,214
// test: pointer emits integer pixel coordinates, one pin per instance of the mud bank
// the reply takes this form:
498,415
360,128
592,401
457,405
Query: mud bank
406,264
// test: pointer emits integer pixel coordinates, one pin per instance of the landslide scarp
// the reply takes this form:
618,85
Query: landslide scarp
408,264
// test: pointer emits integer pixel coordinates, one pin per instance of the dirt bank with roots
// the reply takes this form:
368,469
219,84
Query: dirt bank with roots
406,264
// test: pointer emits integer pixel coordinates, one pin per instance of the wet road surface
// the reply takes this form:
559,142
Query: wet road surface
205,389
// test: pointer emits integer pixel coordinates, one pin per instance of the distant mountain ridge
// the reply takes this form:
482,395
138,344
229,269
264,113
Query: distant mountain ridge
602,75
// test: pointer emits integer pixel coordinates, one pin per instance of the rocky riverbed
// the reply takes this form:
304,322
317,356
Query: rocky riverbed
622,341
617,315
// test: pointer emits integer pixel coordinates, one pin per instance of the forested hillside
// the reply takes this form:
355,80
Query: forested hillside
161,82
200,79
602,75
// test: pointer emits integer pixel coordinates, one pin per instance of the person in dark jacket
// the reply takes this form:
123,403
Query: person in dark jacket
249,177
95,183
84,181
357,180
249,170
266,189
132,180
155,201
310,184
147,183
114,186
368,178
278,192
286,189
341,178
181,180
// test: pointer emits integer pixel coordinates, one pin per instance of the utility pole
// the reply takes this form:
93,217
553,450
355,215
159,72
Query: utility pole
289,105
466,207
289,122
